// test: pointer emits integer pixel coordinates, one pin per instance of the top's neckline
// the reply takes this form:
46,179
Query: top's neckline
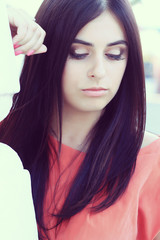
143,150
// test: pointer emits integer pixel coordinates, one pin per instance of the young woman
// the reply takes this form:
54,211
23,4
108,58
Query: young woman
17,215
78,125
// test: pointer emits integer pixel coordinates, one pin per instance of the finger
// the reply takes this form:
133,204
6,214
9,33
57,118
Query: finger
21,33
24,23
18,23
33,36
42,49
34,44
34,39
33,30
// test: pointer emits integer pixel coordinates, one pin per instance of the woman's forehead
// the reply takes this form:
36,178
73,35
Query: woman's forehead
105,27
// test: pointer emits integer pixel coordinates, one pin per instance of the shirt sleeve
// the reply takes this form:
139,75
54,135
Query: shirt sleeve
149,204
17,216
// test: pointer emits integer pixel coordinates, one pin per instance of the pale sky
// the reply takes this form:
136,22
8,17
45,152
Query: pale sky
147,13
31,6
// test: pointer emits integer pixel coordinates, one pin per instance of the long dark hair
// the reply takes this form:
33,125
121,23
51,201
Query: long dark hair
116,138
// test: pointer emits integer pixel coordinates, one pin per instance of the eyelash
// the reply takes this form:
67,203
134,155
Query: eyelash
112,57
78,56
115,57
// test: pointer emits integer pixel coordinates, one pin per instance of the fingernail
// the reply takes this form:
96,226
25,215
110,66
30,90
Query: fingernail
18,53
30,52
16,45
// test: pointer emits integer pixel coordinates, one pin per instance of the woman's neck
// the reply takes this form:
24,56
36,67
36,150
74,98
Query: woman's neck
76,127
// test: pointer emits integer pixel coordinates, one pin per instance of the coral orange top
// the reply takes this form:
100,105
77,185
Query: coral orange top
135,216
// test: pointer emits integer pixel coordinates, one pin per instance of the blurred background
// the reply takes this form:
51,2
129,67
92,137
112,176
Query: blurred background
147,14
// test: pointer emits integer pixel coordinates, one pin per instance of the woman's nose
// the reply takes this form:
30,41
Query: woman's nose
97,70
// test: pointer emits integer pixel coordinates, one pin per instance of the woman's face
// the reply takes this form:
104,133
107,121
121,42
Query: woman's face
95,65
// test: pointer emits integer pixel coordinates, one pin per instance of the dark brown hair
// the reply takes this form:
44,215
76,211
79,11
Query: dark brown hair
115,139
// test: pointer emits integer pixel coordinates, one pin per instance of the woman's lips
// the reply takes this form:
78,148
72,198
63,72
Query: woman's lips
94,92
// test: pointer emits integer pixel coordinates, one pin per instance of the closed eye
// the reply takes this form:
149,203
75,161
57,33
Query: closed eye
78,56
115,56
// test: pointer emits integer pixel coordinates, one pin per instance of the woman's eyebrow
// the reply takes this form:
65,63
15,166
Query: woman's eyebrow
82,42
117,43
108,45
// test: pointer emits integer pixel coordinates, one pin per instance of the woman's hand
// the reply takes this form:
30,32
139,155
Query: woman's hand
27,35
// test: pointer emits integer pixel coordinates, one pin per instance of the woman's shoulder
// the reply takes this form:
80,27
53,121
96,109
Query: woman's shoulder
147,178
9,159
148,158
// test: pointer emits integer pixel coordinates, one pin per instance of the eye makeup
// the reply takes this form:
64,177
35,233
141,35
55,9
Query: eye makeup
81,51
117,54
78,52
